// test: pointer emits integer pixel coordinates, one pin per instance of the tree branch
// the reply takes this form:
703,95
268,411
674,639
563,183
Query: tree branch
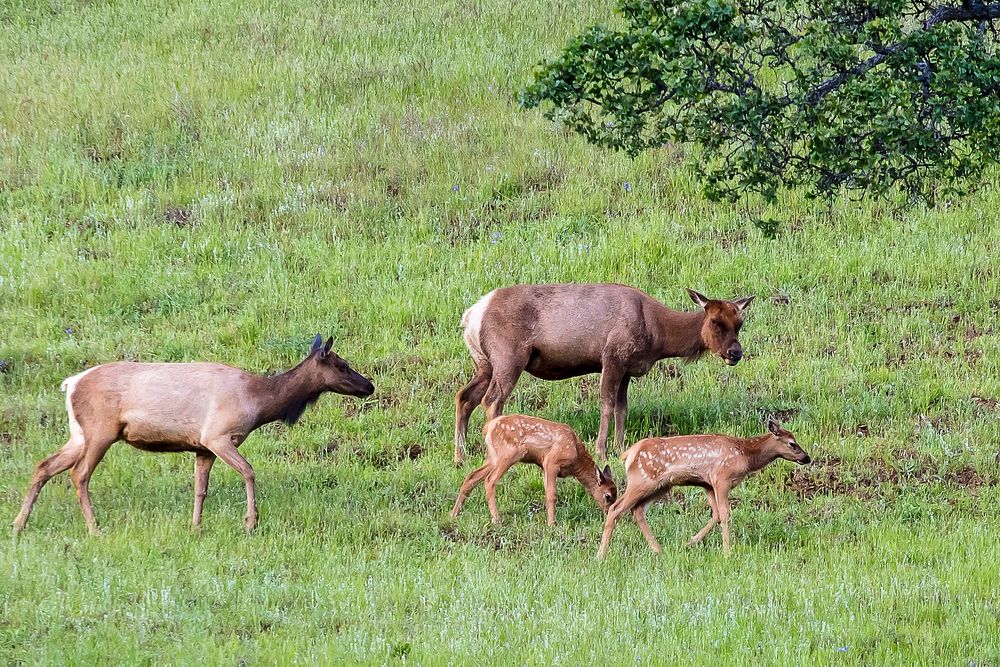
969,11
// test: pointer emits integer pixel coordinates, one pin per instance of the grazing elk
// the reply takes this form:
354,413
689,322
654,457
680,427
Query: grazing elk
560,331
717,463
555,447
205,408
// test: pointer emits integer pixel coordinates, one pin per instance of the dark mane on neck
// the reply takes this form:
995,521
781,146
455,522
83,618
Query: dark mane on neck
286,396
295,409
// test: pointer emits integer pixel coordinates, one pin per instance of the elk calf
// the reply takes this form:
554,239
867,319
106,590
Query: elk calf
555,447
717,463
205,408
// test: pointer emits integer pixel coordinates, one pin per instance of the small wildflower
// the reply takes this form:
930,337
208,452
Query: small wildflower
628,186
842,649
494,237
454,188
69,331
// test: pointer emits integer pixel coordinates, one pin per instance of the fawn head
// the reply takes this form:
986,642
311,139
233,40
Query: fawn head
786,446
606,492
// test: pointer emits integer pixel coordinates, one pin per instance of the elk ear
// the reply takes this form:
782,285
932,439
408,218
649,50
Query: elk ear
324,351
744,303
773,426
606,474
697,297
317,342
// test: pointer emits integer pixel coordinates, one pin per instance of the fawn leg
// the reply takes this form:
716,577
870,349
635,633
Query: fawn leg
700,535
471,482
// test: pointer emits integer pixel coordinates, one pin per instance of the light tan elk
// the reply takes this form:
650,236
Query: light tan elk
512,439
717,463
560,331
205,408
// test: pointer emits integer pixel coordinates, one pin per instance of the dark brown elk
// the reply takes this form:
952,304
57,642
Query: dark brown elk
512,439
716,463
205,408
560,331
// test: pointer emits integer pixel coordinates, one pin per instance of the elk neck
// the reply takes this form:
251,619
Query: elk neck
678,333
757,452
286,396
584,469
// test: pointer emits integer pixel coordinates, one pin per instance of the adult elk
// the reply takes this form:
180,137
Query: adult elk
205,408
560,331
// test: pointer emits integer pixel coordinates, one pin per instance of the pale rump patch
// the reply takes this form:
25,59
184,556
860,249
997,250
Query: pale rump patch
472,322
69,386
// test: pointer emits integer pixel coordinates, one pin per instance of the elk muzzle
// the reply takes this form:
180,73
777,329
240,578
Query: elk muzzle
733,355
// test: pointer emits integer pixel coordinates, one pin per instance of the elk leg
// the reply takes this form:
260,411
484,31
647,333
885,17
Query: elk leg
202,467
502,384
471,482
500,467
549,476
639,513
466,400
620,506
621,410
81,473
62,460
226,450
722,505
611,378
700,535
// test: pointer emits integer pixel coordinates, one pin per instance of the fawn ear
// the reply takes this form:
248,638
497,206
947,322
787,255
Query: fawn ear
317,342
744,303
773,426
697,297
328,346
606,474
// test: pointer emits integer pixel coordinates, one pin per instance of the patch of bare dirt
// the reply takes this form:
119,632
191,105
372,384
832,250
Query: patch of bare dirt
988,404
181,216
383,458
874,478
780,299
783,415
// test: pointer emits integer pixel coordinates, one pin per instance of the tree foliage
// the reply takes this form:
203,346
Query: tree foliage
822,95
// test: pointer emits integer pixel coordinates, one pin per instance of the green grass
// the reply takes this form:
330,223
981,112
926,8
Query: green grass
221,180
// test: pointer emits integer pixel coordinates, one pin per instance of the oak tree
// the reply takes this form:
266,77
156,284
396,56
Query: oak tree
822,95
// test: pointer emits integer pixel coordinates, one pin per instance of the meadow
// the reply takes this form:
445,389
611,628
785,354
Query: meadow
221,180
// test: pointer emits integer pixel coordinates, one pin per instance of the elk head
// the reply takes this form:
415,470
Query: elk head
606,492
721,330
784,443
335,373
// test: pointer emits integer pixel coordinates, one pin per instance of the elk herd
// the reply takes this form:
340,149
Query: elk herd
551,331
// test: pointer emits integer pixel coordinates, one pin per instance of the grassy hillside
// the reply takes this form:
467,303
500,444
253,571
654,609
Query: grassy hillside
221,180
